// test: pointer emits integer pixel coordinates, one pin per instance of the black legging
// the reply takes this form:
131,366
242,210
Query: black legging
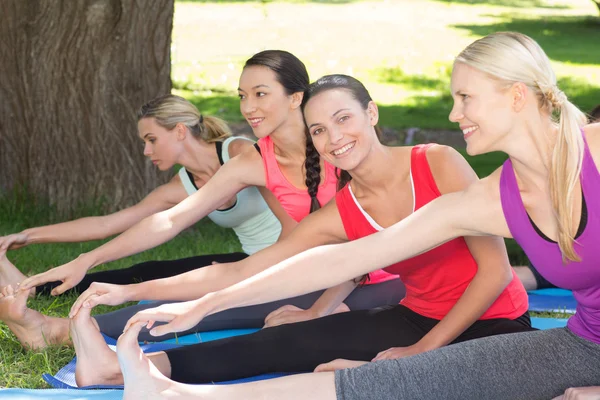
147,271
300,347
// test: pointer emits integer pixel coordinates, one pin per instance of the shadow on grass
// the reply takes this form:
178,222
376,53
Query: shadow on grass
566,39
510,3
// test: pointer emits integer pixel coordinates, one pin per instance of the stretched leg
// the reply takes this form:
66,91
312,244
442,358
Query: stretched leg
529,365
143,380
300,347
363,298
96,362
147,271
33,329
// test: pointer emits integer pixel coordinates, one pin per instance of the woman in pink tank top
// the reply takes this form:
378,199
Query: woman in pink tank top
271,89
547,196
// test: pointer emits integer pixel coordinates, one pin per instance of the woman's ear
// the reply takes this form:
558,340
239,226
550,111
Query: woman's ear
373,113
518,92
297,99
181,131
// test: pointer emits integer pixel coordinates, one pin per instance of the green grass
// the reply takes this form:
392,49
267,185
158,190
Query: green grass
401,50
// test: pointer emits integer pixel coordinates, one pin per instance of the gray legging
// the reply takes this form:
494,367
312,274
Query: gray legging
362,298
529,365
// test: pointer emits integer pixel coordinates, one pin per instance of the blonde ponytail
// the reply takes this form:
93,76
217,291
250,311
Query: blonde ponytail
214,130
170,110
513,57
565,167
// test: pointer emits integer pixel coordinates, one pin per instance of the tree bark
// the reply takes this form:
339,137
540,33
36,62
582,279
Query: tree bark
73,75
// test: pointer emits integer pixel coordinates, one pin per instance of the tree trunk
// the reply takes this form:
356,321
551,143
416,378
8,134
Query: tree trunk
597,3
73,74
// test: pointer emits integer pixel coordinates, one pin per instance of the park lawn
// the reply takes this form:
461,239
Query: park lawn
401,50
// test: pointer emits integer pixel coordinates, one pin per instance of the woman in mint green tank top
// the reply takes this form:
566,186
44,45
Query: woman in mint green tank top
546,196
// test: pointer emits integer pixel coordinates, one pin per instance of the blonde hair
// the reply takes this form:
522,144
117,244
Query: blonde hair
513,57
170,110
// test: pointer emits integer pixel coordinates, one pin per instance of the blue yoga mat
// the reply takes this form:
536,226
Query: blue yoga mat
548,323
552,300
65,377
60,394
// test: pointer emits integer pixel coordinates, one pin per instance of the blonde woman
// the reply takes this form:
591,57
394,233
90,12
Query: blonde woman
546,196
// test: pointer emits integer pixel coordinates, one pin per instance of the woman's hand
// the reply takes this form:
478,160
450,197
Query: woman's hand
70,274
179,317
13,242
101,293
288,315
581,393
340,363
398,352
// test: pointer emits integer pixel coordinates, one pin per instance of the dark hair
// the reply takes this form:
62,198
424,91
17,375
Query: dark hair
292,75
595,114
358,91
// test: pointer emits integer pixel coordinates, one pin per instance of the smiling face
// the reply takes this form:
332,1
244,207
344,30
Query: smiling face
161,145
263,100
341,129
482,108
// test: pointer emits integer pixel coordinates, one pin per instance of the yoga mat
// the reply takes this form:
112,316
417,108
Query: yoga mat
548,323
552,300
65,377
59,394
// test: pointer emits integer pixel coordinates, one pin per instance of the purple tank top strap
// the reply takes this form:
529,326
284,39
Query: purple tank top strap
512,203
590,176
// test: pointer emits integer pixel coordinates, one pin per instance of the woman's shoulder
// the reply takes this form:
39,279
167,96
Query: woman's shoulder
239,144
592,136
450,169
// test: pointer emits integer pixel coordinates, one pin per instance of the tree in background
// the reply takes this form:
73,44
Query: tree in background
597,3
73,75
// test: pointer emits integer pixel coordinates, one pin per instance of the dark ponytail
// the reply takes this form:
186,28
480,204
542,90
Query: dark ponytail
292,75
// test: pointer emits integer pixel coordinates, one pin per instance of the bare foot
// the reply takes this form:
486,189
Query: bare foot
96,363
33,329
142,379
9,274
340,363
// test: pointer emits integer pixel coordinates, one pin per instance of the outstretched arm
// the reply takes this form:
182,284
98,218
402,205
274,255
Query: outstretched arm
321,227
473,212
241,171
99,227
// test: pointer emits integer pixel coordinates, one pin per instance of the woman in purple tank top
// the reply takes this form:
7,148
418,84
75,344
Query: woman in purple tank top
546,196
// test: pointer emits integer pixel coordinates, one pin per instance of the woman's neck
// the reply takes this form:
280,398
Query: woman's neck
530,151
289,139
199,157
375,172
